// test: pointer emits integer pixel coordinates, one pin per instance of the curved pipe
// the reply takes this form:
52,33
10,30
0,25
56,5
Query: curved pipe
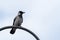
7,27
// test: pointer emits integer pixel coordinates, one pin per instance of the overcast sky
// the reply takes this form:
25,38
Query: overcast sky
42,17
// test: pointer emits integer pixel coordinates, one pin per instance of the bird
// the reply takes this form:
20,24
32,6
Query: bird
18,20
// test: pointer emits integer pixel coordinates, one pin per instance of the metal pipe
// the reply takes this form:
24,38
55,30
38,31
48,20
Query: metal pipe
34,35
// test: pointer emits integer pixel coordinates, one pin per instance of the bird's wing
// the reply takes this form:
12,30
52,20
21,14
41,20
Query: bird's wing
14,20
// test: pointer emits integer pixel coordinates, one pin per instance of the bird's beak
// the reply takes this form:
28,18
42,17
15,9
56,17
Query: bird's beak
23,12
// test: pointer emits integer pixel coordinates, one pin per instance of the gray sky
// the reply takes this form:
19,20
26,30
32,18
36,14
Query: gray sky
42,17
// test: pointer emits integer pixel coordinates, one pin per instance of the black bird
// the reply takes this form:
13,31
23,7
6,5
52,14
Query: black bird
17,21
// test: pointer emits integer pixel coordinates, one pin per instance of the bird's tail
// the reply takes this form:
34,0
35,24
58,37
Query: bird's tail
12,30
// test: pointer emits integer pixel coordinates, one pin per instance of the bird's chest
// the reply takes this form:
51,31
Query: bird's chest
18,20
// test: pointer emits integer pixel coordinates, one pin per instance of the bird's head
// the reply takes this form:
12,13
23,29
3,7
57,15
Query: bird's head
20,12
